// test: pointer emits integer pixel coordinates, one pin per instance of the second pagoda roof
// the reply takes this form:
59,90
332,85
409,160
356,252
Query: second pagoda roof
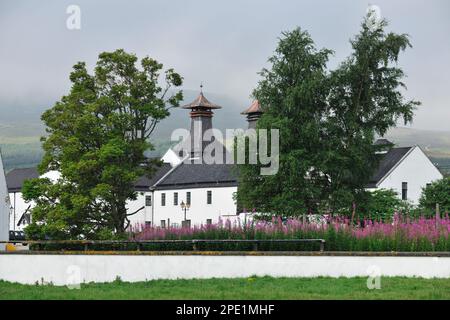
254,108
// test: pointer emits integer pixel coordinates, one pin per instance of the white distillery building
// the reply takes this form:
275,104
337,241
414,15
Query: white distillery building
207,190
406,170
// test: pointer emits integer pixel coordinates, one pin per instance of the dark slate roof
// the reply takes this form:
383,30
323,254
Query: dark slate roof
389,160
16,177
144,183
189,175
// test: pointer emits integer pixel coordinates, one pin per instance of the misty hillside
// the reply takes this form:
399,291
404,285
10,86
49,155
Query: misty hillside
434,143
21,127
24,121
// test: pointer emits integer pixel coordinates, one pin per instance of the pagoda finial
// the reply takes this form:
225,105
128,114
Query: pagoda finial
201,102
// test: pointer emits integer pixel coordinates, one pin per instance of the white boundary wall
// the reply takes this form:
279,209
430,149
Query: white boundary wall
62,269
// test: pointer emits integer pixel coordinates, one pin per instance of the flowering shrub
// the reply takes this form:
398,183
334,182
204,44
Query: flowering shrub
401,234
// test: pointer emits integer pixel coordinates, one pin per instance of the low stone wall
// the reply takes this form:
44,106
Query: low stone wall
71,268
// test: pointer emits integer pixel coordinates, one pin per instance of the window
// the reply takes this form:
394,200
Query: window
148,201
148,223
163,223
404,190
188,197
209,197
208,221
175,198
163,199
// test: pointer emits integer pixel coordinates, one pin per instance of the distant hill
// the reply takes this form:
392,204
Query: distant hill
434,143
24,121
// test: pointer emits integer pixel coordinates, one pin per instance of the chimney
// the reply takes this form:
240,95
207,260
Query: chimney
201,120
253,113
382,146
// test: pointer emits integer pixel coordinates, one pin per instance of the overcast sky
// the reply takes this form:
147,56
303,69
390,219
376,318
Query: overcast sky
222,43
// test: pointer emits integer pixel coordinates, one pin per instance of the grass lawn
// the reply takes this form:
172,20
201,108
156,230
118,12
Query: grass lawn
243,288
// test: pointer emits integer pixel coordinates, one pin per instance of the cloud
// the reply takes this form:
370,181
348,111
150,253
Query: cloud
222,44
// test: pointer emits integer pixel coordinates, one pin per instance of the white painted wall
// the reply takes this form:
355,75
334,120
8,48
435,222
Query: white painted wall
417,170
19,205
52,175
171,157
142,216
200,211
222,204
4,207
62,269
18,208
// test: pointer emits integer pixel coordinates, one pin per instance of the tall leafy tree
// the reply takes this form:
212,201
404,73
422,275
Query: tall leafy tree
327,120
293,95
97,136
365,101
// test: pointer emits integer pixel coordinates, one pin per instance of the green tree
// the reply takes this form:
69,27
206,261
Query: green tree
293,94
365,101
97,136
436,193
327,121
381,204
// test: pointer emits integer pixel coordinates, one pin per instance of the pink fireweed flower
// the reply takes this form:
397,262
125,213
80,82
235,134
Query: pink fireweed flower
401,230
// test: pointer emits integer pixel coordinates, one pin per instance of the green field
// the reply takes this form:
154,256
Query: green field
243,288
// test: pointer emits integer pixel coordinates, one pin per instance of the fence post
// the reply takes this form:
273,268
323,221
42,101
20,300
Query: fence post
322,245
438,216
194,245
255,246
